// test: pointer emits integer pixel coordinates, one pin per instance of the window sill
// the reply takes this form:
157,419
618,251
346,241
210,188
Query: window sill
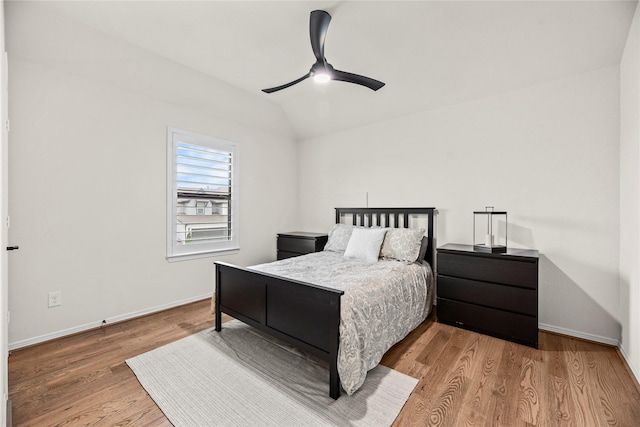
199,255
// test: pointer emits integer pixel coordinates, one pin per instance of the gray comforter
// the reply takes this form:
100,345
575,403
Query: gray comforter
382,303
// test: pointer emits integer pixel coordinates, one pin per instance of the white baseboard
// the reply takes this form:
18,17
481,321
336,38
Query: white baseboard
98,323
577,334
633,369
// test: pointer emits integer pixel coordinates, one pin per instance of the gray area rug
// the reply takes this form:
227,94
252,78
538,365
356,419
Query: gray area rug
242,377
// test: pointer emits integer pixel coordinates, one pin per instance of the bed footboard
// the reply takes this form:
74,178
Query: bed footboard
300,313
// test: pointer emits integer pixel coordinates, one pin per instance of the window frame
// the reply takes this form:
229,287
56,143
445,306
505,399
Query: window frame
175,251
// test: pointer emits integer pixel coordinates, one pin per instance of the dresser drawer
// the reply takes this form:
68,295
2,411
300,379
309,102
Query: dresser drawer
521,273
504,297
297,245
502,324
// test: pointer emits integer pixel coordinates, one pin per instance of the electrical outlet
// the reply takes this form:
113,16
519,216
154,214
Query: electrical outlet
55,299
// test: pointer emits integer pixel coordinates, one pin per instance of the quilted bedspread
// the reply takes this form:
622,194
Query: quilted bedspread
382,303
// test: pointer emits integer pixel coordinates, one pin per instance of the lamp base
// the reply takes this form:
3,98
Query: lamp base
490,249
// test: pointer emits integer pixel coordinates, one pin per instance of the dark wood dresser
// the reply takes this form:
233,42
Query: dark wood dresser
300,243
491,293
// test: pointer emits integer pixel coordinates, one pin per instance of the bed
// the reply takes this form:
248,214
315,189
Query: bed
346,310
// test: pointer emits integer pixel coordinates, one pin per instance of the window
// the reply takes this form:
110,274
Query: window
202,176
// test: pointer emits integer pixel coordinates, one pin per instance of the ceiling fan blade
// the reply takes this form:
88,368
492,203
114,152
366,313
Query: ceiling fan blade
343,76
275,89
318,24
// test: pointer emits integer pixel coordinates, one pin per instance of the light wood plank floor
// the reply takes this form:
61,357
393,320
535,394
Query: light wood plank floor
466,379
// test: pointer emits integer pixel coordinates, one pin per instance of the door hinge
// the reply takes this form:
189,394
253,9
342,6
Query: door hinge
7,125
8,221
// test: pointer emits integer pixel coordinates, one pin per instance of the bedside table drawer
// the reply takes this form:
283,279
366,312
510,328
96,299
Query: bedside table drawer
285,254
504,297
502,324
293,244
488,269
300,243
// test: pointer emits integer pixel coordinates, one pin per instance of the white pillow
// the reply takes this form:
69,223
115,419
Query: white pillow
365,244
339,237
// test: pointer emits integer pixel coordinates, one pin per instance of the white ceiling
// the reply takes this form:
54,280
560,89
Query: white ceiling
430,54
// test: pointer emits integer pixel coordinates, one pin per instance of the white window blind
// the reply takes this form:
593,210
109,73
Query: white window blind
203,201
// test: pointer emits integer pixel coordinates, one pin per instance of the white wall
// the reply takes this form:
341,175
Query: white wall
88,174
630,197
547,154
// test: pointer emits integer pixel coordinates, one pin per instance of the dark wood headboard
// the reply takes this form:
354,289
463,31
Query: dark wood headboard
391,217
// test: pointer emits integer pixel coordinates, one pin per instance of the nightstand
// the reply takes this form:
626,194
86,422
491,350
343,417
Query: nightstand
300,243
491,293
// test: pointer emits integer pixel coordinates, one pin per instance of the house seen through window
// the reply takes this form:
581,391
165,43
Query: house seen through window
203,176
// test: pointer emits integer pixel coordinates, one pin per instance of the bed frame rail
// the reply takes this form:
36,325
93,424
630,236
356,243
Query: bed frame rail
302,314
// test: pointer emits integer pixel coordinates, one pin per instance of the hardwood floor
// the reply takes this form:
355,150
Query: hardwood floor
469,379
466,379
82,380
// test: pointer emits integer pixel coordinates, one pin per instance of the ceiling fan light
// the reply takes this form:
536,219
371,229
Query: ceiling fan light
321,77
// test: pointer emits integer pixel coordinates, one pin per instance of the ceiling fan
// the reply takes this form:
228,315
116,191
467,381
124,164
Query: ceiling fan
322,71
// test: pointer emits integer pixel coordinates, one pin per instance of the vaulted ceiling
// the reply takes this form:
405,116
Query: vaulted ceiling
430,54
